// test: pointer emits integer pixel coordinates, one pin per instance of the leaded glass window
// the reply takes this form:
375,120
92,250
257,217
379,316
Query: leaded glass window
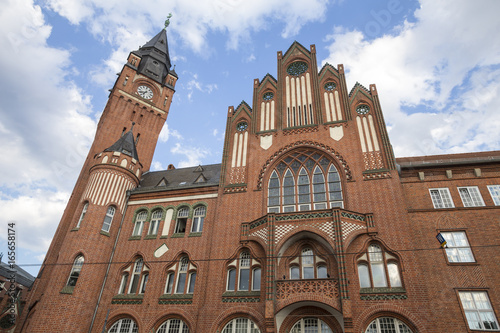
173,326
311,325
387,325
308,181
297,68
125,325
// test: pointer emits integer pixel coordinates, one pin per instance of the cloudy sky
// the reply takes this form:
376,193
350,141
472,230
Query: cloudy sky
436,65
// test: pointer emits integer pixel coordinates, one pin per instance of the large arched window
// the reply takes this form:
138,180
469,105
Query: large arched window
378,269
242,275
173,326
140,219
311,325
125,325
304,180
75,271
387,325
241,325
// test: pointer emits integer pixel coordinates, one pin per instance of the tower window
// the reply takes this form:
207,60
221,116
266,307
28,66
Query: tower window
75,271
108,219
82,215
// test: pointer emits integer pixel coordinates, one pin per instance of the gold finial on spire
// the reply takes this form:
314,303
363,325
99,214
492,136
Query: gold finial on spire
167,21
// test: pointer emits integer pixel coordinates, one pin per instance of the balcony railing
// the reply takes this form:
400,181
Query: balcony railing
325,287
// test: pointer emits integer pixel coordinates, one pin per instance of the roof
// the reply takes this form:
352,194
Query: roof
175,179
155,62
125,145
449,159
22,277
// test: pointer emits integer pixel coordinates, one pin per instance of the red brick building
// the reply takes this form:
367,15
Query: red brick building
309,224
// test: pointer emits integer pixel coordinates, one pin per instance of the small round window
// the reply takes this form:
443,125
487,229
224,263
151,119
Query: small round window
268,96
297,68
329,86
242,126
363,109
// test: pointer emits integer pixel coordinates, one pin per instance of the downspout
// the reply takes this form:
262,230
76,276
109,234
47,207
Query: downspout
109,263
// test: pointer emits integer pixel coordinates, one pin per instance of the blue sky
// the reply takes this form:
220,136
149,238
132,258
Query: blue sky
436,65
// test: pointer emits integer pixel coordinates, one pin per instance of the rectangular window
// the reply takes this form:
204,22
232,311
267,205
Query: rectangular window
470,196
457,247
441,198
495,193
244,279
478,311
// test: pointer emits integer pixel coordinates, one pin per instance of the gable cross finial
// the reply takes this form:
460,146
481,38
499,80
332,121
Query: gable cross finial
167,21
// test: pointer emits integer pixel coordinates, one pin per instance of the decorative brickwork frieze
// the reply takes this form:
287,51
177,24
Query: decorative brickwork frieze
237,175
300,130
373,160
326,287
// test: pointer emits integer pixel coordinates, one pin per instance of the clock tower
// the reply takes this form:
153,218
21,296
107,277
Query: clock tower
122,150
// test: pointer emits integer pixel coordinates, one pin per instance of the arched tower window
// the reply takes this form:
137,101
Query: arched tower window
75,271
82,215
108,219
309,180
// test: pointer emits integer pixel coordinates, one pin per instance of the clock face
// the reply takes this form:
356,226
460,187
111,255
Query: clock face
145,92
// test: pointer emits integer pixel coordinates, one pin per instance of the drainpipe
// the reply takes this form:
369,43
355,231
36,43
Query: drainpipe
109,263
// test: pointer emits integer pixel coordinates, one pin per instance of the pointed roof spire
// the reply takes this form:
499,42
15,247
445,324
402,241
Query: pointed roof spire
155,59
125,145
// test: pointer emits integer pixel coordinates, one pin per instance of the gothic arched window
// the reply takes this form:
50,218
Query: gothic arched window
378,269
304,180
198,218
242,275
134,278
181,277
307,265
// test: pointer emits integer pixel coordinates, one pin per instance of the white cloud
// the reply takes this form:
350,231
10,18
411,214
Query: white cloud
193,155
195,84
166,133
426,65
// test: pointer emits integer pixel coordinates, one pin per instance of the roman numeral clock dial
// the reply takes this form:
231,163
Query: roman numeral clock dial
145,92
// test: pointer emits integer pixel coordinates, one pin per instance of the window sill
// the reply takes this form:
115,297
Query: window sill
150,237
75,229
127,299
176,299
474,263
241,297
164,237
195,234
105,233
178,235
134,238
67,290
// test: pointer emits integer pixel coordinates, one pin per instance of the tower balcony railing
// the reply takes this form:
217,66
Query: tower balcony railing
308,289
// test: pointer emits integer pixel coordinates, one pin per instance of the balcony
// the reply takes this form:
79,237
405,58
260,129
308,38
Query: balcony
325,290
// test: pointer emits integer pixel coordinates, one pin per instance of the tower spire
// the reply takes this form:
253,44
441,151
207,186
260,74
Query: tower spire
155,62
